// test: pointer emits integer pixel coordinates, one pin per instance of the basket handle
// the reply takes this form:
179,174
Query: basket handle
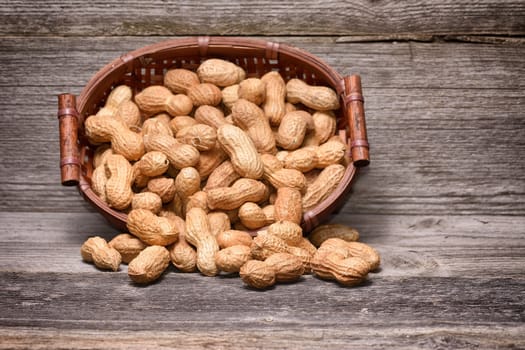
68,128
355,113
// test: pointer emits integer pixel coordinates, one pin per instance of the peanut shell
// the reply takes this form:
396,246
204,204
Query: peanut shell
220,72
320,98
150,228
323,186
242,191
180,80
228,238
323,232
253,90
210,115
231,259
127,245
201,136
180,155
118,186
164,187
198,233
97,250
287,267
274,105
205,94
147,200
219,222
241,150
149,265
288,205
249,117
183,256
257,274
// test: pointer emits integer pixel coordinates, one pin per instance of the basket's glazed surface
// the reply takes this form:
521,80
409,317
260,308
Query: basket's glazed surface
146,66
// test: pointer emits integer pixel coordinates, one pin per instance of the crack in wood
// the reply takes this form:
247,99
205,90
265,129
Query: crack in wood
428,38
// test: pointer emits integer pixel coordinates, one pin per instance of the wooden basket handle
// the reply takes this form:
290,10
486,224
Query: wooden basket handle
355,112
68,127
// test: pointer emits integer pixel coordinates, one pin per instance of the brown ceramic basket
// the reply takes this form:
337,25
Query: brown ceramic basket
146,66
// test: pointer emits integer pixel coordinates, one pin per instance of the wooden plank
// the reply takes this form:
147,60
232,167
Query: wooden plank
362,336
408,231
48,299
269,17
445,246
31,61
441,144
397,261
425,158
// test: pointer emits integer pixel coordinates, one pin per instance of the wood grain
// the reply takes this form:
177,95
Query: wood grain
47,301
442,143
411,337
426,246
443,200
436,65
268,17
335,316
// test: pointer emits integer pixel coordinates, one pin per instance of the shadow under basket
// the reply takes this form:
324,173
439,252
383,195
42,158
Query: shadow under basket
147,66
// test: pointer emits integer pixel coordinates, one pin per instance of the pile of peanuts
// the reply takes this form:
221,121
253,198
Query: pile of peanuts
202,162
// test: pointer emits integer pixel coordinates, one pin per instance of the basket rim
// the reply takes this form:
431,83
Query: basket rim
268,47
205,46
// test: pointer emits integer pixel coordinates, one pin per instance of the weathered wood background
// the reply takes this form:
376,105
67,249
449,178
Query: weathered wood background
443,199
